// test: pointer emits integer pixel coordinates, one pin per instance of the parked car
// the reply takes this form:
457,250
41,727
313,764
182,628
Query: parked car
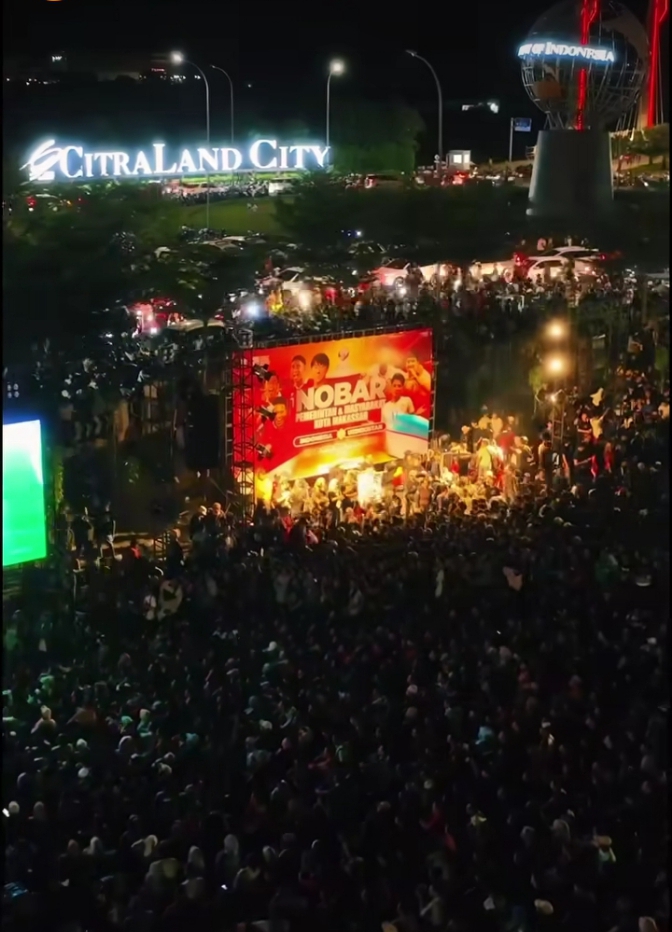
394,272
554,266
293,282
578,252
546,265
290,279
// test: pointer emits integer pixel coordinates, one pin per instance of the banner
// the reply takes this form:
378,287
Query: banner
343,401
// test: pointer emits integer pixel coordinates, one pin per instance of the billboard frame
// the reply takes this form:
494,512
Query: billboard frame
240,447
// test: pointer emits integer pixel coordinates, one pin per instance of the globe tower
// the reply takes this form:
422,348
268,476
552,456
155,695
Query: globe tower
583,64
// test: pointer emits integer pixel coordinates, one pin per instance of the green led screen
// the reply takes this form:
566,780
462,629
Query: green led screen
24,524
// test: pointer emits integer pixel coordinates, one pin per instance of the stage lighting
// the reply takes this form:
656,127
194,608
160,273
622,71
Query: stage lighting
261,373
268,414
556,330
305,300
263,451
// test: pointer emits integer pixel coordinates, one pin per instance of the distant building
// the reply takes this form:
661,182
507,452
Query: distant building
98,66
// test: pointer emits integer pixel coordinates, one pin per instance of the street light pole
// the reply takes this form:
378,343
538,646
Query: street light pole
328,110
440,93
335,68
228,77
511,140
178,59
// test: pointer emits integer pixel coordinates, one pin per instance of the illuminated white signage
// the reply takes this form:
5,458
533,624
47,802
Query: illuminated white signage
563,50
51,162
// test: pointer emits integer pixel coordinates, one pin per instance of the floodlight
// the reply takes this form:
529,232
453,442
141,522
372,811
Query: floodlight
556,329
305,300
556,365
267,414
261,373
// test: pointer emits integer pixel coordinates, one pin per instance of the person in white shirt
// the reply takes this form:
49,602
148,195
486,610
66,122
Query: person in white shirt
398,403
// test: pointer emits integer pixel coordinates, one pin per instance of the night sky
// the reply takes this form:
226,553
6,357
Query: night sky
278,53
471,45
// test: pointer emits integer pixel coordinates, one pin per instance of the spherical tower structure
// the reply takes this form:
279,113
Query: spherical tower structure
583,64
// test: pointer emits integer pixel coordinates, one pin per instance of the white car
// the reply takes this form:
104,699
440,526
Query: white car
291,280
555,266
568,252
393,273
543,265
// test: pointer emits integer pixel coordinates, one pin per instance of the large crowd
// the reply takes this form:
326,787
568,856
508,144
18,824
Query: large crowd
447,715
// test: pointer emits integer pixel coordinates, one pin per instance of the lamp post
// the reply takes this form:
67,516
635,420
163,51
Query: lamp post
440,93
228,77
178,58
335,68
557,330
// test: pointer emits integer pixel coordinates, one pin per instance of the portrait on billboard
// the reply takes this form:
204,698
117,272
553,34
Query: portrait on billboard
341,400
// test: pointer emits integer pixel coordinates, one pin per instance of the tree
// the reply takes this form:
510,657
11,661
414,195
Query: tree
72,265
319,211
657,141
369,137
652,143
458,223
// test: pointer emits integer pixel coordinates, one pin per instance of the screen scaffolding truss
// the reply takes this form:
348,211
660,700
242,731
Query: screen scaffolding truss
240,441
241,454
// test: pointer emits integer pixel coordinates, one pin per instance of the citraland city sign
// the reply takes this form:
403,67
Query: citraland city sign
551,49
71,162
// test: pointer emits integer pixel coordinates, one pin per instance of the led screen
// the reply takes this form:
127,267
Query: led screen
24,525
338,401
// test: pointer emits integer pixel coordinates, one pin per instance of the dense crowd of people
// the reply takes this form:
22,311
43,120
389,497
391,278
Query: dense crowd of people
447,716
499,308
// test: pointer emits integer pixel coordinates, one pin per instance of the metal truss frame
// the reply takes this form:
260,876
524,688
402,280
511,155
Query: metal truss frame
239,440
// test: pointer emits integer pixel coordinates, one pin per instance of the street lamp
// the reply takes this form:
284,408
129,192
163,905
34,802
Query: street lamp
556,330
337,68
556,365
440,93
177,58
228,77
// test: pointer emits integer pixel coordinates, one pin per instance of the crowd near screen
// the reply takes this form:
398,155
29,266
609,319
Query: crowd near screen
23,515
341,400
